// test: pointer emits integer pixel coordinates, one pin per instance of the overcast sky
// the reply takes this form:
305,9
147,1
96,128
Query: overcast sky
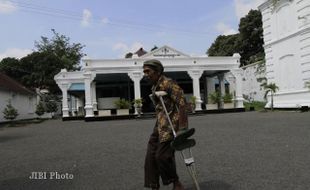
111,28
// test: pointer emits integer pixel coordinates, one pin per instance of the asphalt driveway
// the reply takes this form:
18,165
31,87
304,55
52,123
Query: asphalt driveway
236,151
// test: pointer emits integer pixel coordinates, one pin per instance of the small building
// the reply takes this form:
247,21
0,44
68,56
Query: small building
22,99
94,89
286,25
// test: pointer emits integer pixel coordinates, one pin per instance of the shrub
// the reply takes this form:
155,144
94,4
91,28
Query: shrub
122,104
10,112
192,100
40,109
138,102
215,98
258,106
228,98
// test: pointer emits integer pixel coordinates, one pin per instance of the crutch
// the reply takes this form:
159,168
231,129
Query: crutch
189,160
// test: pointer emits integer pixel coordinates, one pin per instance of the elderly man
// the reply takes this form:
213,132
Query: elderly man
160,159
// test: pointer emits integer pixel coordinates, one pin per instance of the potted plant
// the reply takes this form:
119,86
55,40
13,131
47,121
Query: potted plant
228,103
122,106
213,101
138,106
192,100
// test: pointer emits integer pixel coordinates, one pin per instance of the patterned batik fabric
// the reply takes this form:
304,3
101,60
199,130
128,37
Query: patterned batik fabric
176,106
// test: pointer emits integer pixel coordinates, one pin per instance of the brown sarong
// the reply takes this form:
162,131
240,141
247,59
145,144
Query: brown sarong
159,161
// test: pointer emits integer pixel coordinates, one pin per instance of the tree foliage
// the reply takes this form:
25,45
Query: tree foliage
68,54
248,42
11,67
37,70
224,45
40,67
251,37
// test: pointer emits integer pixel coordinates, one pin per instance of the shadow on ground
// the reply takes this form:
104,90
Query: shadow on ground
212,185
4,139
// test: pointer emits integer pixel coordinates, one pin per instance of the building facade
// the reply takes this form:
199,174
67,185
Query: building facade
286,25
20,97
104,80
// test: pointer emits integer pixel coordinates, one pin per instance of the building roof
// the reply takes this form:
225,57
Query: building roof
140,52
9,84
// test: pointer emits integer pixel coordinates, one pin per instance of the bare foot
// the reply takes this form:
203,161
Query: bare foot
178,186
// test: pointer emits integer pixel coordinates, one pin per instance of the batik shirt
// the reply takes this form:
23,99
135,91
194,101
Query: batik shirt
175,103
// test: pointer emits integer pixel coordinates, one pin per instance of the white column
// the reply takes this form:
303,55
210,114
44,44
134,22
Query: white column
73,105
195,75
94,97
65,108
238,74
222,89
88,95
136,78
210,86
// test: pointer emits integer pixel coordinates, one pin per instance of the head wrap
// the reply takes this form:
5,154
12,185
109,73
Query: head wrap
155,65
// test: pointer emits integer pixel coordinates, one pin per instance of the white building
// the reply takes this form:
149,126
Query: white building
104,80
252,90
286,25
21,98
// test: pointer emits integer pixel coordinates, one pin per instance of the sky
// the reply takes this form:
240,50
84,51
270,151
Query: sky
111,28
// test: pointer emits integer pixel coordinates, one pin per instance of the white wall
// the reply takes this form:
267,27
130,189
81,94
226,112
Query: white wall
287,47
251,88
25,104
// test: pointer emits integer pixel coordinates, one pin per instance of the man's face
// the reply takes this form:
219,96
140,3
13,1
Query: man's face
150,74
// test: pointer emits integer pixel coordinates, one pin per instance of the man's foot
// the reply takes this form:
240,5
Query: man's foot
178,186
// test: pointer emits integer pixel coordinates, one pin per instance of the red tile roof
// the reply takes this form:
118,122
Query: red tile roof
9,84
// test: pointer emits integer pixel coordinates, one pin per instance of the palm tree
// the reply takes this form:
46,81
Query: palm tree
272,88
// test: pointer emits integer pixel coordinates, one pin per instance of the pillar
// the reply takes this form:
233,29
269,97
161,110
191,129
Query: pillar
195,75
136,78
221,89
65,108
89,110
94,97
238,74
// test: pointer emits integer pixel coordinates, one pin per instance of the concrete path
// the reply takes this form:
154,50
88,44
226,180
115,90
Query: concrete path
237,151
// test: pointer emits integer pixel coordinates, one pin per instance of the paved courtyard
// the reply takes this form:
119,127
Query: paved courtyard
236,151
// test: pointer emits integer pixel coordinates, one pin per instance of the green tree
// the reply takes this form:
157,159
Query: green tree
224,45
37,70
59,45
10,112
128,55
251,37
248,42
40,109
12,67
270,88
154,48
51,104
41,67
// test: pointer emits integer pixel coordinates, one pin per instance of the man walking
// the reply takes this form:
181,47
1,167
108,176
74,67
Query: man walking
160,158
